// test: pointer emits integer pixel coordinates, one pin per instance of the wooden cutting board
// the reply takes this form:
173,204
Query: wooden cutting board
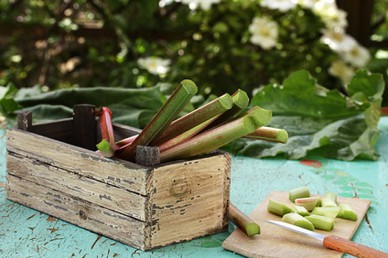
275,241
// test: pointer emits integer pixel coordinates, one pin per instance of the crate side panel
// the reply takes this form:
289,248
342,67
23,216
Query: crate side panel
120,131
123,131
189,200
110,197
87,163
227,179
61,130
81,213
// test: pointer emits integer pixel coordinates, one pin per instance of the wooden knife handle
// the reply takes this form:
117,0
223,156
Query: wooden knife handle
346,246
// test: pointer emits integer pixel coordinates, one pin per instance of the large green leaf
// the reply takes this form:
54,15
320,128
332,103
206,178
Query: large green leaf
133,107
320,121
300,95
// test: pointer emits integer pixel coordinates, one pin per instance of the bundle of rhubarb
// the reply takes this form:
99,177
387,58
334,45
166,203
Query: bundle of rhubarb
203,130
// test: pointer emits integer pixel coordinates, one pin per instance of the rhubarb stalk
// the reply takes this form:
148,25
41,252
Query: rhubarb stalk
269,134
278,208
106,125
107,146
242,221
194,118
308,202
321,222
301,192
240,102
260,116
298,220
330,212
329,200
346,212
186,135
169,111
214,138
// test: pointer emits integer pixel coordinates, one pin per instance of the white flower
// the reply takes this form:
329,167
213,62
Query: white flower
155,65
338,41
381,54
336,19
312,4
307,3
358,56
193,4
203,4
16,58
264,32
330,14
347,47
163,3
281,5
341,70
322,6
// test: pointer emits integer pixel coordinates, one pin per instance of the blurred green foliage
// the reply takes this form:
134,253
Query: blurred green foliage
55,54
320,121
379,62
85,43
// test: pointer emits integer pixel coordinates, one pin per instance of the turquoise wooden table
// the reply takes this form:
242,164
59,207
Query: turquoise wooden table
28,233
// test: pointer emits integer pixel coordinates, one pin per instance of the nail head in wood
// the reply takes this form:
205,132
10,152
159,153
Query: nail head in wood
82,215
147,155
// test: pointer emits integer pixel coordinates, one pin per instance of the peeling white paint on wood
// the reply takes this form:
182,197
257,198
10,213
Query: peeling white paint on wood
145,207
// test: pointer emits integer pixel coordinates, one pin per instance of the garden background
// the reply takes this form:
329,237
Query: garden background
319,65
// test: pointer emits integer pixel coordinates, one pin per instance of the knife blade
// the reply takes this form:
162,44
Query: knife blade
335,242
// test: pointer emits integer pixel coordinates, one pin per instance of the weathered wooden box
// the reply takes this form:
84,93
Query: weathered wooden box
144,207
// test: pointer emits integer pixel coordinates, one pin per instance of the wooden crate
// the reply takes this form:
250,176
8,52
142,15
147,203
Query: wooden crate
144,207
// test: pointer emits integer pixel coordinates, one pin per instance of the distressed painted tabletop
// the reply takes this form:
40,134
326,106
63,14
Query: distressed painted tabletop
25,232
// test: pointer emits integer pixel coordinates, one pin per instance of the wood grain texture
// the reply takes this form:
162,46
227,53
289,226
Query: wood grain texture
60,130
346,246
84,126
86,163
124,131
189,199
77,211
101,194
275,241
147,155
145,207
24,120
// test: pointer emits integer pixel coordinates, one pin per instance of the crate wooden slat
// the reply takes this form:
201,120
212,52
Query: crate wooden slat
193,194
105,195
145,207
78,160
77,211
60,130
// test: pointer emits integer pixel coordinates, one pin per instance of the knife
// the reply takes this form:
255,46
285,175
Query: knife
335,242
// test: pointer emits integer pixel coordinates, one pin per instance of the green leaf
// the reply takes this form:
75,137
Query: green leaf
319,121
7,102
370,85
134,107
300,95
220,27
45,113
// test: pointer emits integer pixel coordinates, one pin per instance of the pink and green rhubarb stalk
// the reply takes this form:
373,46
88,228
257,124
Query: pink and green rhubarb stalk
169,111
214,138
